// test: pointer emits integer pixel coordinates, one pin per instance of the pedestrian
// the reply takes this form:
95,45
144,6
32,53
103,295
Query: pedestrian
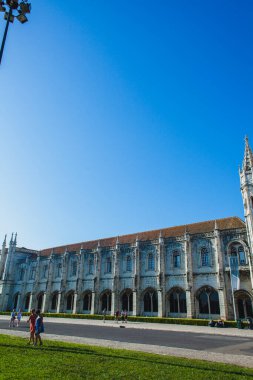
117,316
31,321
39,328
19,316
104,314
13,317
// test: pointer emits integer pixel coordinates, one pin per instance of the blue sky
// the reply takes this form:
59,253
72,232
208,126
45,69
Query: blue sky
123,116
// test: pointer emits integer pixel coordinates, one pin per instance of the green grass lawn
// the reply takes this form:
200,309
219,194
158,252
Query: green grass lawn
57,360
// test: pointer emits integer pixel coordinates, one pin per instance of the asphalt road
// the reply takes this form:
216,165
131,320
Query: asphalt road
195,341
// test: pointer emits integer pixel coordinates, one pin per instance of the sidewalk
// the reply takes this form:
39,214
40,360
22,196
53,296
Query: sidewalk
217,356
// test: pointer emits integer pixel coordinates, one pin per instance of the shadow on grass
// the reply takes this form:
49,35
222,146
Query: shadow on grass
86,351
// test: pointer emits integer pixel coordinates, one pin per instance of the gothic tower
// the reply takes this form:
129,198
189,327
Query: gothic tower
246,181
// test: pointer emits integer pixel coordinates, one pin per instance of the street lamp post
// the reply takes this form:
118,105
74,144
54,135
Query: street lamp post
17,9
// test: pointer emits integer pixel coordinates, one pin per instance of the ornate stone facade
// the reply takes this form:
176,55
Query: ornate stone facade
180,271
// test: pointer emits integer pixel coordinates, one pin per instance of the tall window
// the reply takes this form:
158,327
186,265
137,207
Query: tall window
44,272
21,274
32,273
129,264
108,265
150,302
241,253
74,268
204,257
176,259
58,270
90,266
151,262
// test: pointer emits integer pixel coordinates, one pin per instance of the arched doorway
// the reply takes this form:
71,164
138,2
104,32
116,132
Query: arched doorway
127,300
150,302
243,303
106,300
208,302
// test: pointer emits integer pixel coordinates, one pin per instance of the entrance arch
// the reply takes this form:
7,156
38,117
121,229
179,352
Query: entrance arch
208,302
106,300
243,303
127,300
150,302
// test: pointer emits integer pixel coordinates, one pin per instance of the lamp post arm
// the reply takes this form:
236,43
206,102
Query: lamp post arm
5,34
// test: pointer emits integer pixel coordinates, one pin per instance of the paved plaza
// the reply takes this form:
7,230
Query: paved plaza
227,345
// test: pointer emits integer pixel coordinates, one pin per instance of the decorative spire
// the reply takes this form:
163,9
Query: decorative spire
98,246
215,225
4,242
137,241
117,242
11,241
248,156
15,239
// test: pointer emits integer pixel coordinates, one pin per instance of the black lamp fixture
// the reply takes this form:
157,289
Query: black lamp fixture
20,8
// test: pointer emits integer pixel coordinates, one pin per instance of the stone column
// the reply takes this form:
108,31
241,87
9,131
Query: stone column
191,312
97,270
58,303
30,307
113,303
93,295
136,306
161,277
220,278
44,302
74,303
18,302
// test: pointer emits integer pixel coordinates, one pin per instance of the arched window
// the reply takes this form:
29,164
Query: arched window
242,257
54,302
32,273
209,302
87,302
127,301
176,259
90,266
129,264
106,301
39,301
44,271
70,301
151,262
27,301
150,302
21,274
108,265
204,257
178,302
15,301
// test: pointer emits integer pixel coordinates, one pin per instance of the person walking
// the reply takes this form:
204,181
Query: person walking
39,328
19,317
117,316
104,314
31,320
13,317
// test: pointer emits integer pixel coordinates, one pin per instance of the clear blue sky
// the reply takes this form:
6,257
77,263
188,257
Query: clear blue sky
123,116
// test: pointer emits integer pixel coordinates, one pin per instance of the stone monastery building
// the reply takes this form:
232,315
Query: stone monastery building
183,271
